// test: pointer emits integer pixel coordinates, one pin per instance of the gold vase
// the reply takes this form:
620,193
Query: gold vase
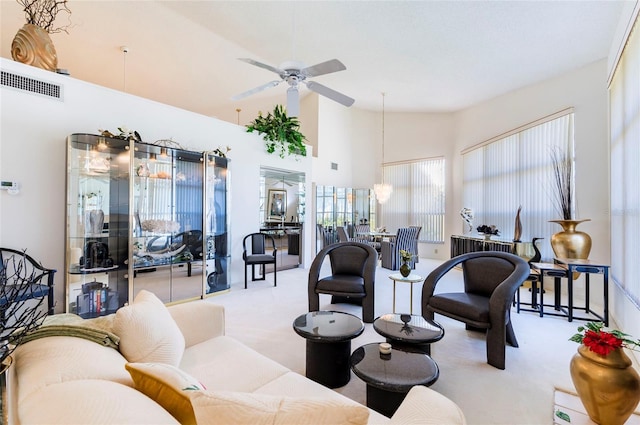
571,243
33,46
608,386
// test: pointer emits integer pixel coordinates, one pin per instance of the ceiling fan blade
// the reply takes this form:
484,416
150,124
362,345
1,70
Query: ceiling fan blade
330,93
293,102
256,90
333,65
263,65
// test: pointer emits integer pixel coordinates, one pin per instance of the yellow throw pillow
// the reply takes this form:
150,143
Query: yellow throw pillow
237,408
168,386
147,331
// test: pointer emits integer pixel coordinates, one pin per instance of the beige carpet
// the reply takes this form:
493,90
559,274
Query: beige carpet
262,318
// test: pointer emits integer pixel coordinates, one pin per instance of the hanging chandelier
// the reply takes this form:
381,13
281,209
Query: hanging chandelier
382,190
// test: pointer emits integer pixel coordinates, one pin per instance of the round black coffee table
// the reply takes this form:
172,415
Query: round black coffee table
402,330
328,335
389,377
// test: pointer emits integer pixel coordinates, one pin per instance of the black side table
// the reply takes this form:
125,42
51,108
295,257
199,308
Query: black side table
389,377
328,335
402,330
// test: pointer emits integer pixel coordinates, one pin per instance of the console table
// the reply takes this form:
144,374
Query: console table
461,244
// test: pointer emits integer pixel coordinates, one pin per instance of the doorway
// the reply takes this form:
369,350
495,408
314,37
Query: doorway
282,213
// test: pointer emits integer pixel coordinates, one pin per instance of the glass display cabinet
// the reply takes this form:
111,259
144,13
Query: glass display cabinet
142,216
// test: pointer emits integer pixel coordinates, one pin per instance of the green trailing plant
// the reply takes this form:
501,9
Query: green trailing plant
281,133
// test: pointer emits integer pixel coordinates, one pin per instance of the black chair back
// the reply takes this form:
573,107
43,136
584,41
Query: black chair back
257,243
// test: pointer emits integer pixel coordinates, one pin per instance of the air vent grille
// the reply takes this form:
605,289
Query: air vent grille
31,85
334,166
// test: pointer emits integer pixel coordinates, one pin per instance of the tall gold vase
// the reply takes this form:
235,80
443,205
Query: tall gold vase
571,243
608,386
33,46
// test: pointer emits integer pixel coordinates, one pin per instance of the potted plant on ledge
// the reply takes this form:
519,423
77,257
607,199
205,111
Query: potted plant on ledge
281,133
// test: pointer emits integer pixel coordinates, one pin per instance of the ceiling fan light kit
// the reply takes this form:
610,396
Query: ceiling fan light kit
296,73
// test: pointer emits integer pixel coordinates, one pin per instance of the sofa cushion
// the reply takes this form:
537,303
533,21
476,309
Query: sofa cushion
228,407
147,331
91,401
225,363
168,386
58,359
186,399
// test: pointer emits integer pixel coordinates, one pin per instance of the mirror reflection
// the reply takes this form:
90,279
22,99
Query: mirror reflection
282,211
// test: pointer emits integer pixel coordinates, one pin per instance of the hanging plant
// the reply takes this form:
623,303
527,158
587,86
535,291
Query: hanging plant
281,133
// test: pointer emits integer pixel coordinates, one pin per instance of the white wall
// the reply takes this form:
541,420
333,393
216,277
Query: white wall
32,152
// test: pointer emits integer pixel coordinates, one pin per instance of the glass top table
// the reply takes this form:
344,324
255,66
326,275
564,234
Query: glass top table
328,326
389,377
408,328
328,335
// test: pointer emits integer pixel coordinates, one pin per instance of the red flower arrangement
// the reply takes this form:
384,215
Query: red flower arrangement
603,341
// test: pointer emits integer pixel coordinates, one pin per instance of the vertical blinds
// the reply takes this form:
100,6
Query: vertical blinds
517,170
418,198
624,100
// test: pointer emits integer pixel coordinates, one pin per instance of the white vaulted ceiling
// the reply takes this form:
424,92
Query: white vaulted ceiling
431,56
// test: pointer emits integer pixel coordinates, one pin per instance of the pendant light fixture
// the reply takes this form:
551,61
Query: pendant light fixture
382,190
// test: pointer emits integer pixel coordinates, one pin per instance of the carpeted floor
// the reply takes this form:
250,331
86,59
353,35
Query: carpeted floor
262,318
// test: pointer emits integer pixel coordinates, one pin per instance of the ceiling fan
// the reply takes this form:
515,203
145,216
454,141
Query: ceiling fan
295,73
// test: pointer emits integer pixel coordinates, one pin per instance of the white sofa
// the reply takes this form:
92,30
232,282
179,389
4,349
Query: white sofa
71,380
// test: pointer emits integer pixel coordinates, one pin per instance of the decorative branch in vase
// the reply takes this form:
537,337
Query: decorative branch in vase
17,285
32,44
568,243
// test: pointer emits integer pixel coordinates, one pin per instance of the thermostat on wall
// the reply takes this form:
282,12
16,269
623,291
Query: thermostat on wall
10,187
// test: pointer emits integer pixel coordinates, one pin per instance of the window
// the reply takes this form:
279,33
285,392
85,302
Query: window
417,199
517,170
624,99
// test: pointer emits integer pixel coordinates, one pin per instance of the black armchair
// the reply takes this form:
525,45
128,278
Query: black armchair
352,279
256,255
491,279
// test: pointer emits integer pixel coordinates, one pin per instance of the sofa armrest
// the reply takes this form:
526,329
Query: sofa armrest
426,406
198,321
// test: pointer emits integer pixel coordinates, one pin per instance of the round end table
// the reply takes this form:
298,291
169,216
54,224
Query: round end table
389,377
328,335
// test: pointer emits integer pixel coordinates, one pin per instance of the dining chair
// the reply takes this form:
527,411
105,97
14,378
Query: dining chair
406,239
255,254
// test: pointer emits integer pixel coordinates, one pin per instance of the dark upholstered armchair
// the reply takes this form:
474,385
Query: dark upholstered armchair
491,279
256,254
352,278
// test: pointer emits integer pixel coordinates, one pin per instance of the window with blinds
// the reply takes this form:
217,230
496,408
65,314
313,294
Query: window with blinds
418,198
515,170
624,100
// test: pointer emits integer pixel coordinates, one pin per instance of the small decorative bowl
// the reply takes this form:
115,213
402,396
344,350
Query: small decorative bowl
385,348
